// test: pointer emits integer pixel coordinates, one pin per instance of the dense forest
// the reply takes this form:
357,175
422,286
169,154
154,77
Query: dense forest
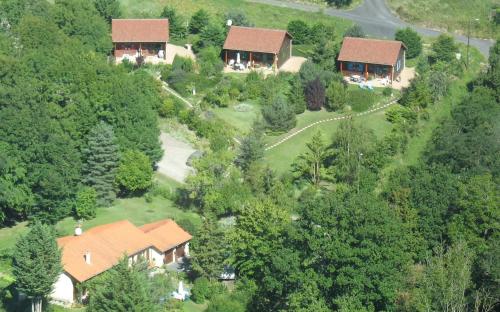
340,232
66,113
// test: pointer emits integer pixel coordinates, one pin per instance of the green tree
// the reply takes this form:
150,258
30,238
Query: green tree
16,197
177,25
279,115
37,263
208,250
251,148
325,53
336,96
135,172
211,35
80,19
310,165
411,40
418,95
101,162
438,84
444,48
198,21
299,30
238,18
210,62
122,288
86,203
108,9
296,96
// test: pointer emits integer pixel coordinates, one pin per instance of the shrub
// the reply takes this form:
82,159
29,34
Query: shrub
336,96
279,116
444,48
210,62
185,64
360,100
355,31
86,203
201,290
387,91
238,18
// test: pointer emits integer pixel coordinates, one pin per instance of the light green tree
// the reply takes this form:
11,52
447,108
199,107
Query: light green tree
310,165
86,203
135,172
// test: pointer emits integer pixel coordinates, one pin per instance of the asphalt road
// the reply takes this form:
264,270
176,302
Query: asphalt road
377,20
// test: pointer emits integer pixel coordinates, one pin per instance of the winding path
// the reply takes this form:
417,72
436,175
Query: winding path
288,137
377,20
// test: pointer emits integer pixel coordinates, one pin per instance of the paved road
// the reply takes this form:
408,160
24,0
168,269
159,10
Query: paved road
376,20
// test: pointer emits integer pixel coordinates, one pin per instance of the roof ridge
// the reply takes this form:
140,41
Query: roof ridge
374,39
261,28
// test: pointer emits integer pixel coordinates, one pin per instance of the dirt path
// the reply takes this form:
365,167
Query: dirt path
288,137
173,162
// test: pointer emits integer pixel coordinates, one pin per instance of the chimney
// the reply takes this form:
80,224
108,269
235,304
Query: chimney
87,257
78,230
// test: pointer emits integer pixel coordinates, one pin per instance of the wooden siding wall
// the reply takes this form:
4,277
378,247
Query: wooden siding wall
284,53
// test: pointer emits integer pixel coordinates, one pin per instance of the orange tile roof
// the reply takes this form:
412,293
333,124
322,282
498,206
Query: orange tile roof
108,243
255,39
371,51
140,30
165,234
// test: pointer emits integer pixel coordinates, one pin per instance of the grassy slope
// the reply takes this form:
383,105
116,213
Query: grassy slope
260,14
451,15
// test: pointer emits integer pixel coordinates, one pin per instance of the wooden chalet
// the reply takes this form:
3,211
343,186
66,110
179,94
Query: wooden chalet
372,58
133,38
257,47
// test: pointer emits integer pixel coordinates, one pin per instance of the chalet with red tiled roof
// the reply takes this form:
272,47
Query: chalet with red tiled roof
257,47
134,38
372,58
88,254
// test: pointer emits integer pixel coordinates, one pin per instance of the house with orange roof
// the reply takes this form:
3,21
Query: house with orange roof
372,58
90,253
146,38
252,47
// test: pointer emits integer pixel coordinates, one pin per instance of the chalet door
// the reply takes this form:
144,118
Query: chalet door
169,256
179,252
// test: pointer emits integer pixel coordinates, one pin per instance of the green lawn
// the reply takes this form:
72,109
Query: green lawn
450,15
281,157
261,15
241,120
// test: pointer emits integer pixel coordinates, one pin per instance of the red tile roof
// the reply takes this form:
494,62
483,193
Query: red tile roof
371,51
255,39
139,30
165,234
108,243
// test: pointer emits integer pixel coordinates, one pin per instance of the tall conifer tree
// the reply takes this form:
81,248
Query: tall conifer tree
102,162
37,264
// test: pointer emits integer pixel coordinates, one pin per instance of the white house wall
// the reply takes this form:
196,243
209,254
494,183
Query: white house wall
156,257
63,289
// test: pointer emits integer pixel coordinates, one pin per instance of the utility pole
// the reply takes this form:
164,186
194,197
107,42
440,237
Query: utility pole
468,40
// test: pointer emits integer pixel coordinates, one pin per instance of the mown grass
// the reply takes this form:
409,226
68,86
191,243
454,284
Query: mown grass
260,14
450,15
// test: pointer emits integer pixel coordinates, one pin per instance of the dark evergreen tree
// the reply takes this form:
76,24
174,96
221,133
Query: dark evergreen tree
102,162
124,288
252,147
296,95
208,250
37,263
199,20
177,26
315,95
279,115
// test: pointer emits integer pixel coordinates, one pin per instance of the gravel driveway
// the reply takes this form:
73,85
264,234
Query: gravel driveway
176,153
